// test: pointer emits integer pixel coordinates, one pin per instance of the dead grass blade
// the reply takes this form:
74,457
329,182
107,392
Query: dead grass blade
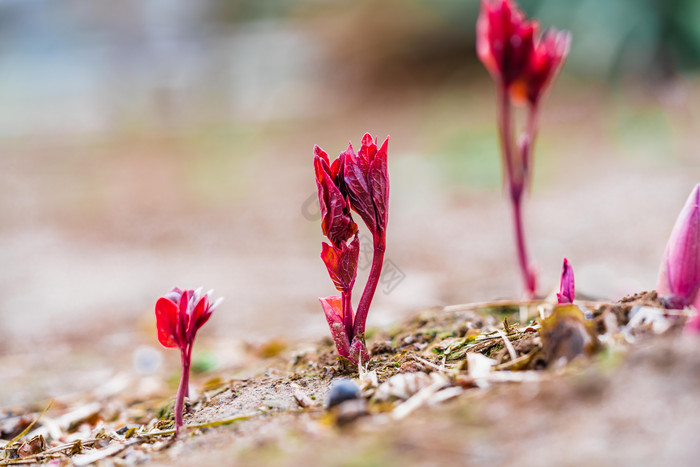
31,425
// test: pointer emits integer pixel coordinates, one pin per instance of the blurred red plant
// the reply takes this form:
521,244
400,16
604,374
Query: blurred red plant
359,182
523,64
179,315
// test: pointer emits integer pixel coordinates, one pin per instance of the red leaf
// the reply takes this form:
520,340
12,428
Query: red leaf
198,318
333,309
547,59
331,258
167,322
359,190
379,179
505,39
342,263
336,222
368,148
322,155
183,315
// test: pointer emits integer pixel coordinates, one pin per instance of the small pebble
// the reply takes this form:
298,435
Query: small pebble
342,389
122,431
302,399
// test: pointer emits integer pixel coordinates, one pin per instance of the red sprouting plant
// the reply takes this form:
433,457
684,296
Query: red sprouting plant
179,315
359,182
566,287
523,66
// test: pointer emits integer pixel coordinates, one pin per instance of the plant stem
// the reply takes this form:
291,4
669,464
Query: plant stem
516,172
346,298
374,273
523,261
505,130
528,147
183,389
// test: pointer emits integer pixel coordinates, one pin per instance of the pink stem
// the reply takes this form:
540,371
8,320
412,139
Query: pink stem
374,273
505,130
346,298
525,268
515,175
528,148
182,390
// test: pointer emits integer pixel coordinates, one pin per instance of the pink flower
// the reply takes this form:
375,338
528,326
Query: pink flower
679,275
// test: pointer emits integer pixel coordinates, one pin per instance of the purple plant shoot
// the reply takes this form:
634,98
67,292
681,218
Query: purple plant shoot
566,286
679,275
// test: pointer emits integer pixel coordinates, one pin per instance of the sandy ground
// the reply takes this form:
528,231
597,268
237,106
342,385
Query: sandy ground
95,229
632,414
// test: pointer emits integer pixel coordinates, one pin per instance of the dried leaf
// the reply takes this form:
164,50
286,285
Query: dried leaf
77,448
24,432
422,397
98,454
34,446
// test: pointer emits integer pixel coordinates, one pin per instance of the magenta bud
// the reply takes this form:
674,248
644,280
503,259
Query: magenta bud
566,288
679,275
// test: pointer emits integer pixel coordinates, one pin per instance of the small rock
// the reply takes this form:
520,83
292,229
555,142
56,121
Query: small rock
122,431
302,399
342,389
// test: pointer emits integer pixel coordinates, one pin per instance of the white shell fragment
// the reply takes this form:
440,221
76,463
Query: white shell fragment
403,386
653,318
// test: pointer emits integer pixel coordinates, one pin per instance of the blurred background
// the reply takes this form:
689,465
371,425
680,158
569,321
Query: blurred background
152,143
